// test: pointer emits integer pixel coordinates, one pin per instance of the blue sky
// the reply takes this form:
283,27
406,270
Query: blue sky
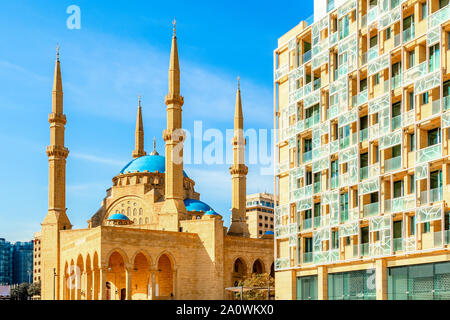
121,51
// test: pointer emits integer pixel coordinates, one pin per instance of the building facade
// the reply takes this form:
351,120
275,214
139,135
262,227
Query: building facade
362,175
6,258
259,214
152,237
37,257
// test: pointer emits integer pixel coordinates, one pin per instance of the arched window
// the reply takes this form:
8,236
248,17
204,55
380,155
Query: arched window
140,220
128,211
134,212
140,211
146,220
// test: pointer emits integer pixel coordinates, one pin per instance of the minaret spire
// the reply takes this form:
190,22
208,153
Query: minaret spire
174,136
238,173
139,134
56,218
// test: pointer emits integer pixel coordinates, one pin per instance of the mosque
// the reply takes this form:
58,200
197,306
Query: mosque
152,238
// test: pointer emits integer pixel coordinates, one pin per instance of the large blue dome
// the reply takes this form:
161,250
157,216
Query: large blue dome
196,205
118,216
150,163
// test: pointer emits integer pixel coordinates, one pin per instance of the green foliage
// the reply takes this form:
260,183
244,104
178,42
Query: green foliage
34,289
257,281
20,292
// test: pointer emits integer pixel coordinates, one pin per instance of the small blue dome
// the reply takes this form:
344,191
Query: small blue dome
196,205
211,213
118,216
269,232
150,163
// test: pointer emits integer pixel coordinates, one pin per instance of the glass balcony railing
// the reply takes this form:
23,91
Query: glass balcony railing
436,194
447,236
370,209
396,122
307,257
436,106
398,244
446,103
307,156
334,182
396,81
364,173
365,249
392,164
317,83
423,197
372,53
307,224
429,153
408,34
311,121
317,222
317,188
307,56
363,134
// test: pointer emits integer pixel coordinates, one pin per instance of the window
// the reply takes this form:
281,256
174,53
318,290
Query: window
412,142
344,27
412,225
424,97
347,241
376,79
398,189
443,3
377,154
411,58
334,239
435,58
411,100
308,178
363,84
373,41
388,33
330,5
434,136
412,183
397,226
344,206
425,227
423,10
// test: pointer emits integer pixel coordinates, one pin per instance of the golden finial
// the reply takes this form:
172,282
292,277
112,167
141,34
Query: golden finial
239,82
174,22
57,51
139,100
154,144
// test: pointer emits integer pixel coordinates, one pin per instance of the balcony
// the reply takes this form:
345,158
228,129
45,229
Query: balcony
360,98
447,236
436,106
363,134
396,122
307,224
317,187
396,81
446,103
370,209
307,156
436,194
392,164
365,249
317,222
372,53
334,182
364,173
398,244
307,257
311,121
408,34
307,56
429,153
432,240
317,84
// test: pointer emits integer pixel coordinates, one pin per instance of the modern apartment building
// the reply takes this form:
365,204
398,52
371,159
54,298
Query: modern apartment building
37,257
16,262
259,214
362,114
6,271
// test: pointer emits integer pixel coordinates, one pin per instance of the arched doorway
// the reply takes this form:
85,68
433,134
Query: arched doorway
239,270
116,275
88,275
165,281
140,277
79,272
258,267
96,277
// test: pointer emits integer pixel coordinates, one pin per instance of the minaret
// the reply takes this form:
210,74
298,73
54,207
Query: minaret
139,135
56,218
173,136
238,173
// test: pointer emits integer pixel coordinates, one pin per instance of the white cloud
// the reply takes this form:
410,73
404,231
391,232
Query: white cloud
97,159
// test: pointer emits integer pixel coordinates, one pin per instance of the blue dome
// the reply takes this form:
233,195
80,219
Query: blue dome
118,216
196,205
269,232
211,213
150,163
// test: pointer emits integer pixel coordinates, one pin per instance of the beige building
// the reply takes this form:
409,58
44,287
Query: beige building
362,179
259,214
37,257
152,237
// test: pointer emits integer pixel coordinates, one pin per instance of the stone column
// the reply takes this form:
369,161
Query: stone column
128,277
153,283
102,283
322,281
381,279
174,284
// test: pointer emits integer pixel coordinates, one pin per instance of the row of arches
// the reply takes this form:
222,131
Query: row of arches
84,279
241,269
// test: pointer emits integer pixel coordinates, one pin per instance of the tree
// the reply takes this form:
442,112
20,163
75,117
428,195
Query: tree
34,289
20,292
259,282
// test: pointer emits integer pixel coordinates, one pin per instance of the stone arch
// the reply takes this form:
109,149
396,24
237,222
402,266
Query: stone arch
165,276
79,274
66,287
88,278
116,275
96,276
239,270
258,267
121,252
72,279
140,276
